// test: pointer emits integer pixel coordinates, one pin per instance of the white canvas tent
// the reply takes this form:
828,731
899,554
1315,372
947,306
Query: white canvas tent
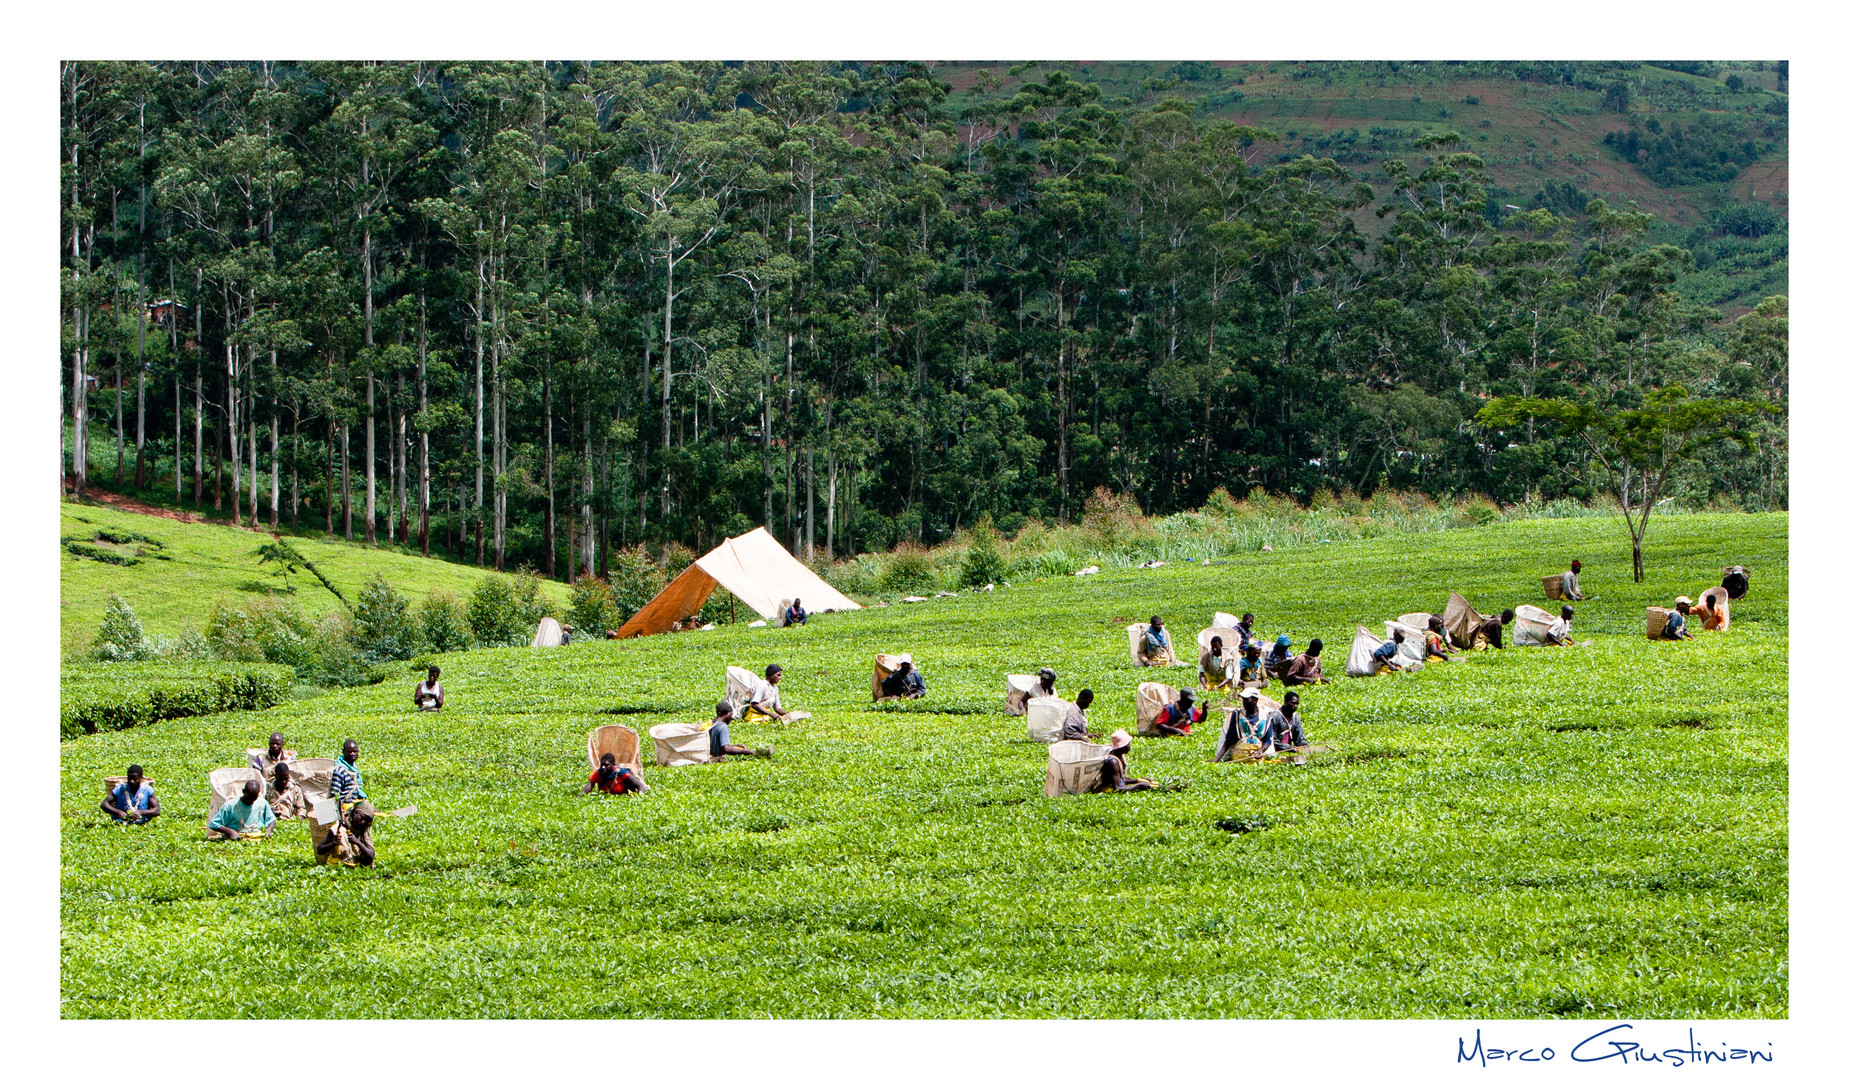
754,568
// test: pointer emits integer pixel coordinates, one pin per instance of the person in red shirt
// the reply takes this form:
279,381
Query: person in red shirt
1178,718
612,779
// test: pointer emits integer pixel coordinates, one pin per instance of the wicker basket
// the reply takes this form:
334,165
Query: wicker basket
1551,586
1655,619
614,739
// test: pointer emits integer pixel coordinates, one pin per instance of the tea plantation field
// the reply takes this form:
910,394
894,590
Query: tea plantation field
1595,831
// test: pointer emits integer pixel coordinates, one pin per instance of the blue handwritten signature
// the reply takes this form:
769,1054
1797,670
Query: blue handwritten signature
1619,1047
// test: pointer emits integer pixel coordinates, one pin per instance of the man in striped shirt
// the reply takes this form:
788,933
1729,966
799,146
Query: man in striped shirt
345,786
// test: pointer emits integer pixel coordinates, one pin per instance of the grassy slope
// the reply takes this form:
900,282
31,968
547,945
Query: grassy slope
1590,831
213,561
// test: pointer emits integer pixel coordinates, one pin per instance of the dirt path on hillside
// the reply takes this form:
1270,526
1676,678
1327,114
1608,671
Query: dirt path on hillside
136,506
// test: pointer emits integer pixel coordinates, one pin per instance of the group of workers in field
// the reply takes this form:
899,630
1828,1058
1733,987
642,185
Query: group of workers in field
1714,609
1248,667
262,803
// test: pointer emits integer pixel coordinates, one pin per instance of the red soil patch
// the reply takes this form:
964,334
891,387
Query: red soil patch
136,506
1765,181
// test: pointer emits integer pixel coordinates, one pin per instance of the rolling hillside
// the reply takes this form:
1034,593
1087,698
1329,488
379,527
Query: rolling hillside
181,568
1541,129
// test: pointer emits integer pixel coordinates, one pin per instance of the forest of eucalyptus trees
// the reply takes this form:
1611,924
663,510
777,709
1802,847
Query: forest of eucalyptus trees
523,313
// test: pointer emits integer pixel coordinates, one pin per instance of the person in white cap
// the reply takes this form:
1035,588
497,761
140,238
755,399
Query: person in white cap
1676,629
1246,725
1113,774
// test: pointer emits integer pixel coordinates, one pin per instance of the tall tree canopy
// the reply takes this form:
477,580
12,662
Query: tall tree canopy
528,313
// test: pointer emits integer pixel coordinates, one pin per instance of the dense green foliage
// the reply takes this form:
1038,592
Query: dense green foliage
444,621
535,314
1588,832
120,637
383,626
113,696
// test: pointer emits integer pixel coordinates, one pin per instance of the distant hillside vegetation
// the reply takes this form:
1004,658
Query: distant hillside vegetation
1703,145
171,572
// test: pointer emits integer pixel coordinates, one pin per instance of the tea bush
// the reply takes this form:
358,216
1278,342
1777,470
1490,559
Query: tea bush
109,697
383,627
983,564
909,569
120,637
444,620
263,631
496,615
1598,831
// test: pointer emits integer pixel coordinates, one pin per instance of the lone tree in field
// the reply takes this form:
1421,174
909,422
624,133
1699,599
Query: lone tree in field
1638,447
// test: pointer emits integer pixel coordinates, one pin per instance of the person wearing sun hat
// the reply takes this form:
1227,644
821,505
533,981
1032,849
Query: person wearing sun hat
1114,774
1246,725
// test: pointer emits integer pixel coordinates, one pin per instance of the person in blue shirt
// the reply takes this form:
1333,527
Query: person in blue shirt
1156,646
796,616
246,818
1387,650
1252,668
133,801
345,786
719,736
1277,661
1676,629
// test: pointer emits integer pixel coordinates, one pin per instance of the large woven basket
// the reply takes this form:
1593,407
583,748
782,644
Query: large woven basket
1655,619
614,739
